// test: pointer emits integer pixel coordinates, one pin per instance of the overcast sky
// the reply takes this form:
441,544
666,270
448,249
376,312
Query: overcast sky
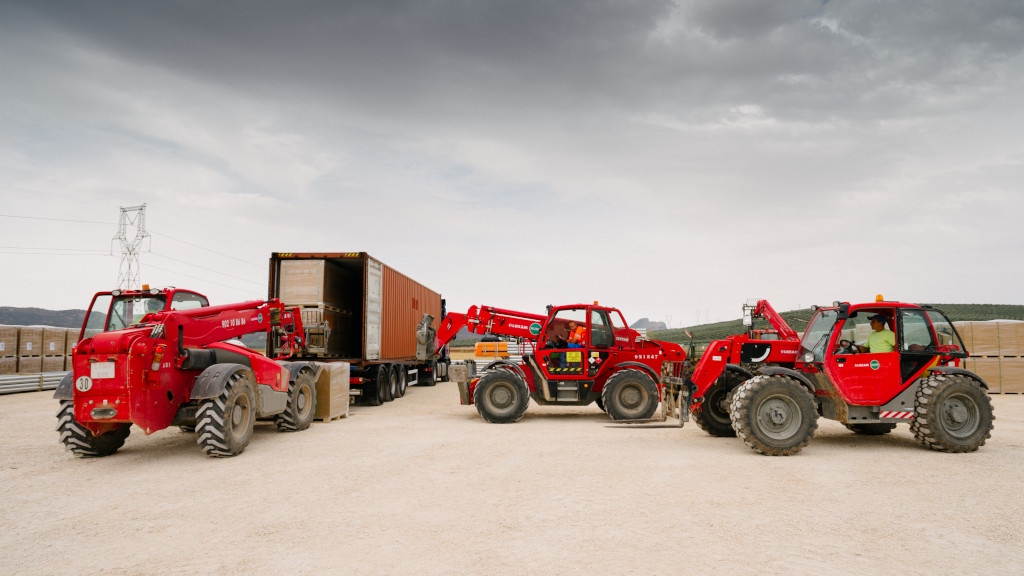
672,159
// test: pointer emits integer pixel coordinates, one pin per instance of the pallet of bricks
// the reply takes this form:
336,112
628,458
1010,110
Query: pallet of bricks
32,349
997,353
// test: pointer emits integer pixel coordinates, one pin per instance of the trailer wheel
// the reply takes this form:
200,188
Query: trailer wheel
501,396
81,441
372,395
774,415
952,413
873,429
224,424
400,381
390,382
630,395
301,406
712,415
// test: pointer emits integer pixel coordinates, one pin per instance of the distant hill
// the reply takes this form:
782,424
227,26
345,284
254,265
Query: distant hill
646,324
39,316
797,320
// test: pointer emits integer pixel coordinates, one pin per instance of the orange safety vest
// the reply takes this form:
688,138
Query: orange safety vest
576,336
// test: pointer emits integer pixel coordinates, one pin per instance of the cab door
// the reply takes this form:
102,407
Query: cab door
863,379
557,359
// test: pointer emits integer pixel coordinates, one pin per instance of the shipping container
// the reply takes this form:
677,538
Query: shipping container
357,309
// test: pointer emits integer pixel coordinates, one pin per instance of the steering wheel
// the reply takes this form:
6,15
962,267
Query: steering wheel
846,347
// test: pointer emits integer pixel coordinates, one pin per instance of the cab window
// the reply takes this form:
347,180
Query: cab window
619,330
600,329
188,301
558,328
97,320
917,332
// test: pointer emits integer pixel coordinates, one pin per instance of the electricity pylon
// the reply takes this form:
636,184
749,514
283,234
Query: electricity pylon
128,274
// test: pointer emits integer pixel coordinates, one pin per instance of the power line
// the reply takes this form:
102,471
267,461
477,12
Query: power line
205,248
103,253
42,248
55,219
205,268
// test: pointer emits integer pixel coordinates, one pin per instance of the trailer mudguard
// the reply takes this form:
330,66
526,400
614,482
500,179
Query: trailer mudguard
637,365
773,370
65,391
941,370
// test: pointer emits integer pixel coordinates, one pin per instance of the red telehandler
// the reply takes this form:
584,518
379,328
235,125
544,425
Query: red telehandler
623,373
727,363
157,358
906,372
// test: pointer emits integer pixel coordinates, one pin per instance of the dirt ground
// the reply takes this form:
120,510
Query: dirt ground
424,486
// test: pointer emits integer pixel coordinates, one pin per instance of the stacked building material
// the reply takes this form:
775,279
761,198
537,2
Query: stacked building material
30,349
332,391
54,346
997,353
71,338
318,287
8,349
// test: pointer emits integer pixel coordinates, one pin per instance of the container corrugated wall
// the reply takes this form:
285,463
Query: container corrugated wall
405,302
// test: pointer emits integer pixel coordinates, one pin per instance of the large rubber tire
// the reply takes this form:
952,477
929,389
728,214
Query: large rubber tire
501,396
373,395
712,415
391,383
630,395
301,407
600,404
224,424
952,413
774,415
400,378
81,441
873,429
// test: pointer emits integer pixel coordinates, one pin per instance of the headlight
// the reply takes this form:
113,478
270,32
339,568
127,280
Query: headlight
809,357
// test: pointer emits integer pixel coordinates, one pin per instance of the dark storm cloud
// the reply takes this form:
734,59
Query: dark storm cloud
481,60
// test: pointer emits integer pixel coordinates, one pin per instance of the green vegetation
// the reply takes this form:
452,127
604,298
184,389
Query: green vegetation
797,320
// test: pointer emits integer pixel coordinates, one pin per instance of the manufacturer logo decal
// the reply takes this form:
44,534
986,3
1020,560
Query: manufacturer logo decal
535,328
874,364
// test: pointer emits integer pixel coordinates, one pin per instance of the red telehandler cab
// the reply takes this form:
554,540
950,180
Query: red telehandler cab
727,363
908,373
623,373
157,358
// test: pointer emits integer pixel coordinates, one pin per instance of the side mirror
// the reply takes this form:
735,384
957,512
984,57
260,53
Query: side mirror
748,320
844,310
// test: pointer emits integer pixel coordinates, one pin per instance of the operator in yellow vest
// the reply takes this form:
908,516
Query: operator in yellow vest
881,340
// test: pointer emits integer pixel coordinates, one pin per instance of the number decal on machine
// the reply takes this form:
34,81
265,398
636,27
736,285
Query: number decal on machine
83,384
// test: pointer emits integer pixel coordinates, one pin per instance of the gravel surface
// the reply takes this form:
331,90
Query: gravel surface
424,486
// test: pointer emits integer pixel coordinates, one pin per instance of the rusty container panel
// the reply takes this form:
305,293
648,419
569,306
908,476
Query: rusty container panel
405,302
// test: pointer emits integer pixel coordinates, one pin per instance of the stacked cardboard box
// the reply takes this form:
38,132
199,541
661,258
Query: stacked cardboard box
309,282
332,391
997,353
69,345
8,349
54,345
30,349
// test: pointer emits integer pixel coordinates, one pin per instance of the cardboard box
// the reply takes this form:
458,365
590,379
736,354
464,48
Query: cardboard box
990,371
9,365
310,282
53,363
1012,372
992,338
30,341
8,342
30,364
54,341
332,391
